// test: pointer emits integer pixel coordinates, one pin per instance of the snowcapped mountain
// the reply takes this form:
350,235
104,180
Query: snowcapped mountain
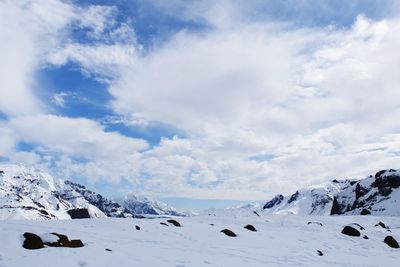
28,193
376,195
145,205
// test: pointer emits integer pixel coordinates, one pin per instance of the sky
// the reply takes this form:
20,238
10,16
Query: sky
200,102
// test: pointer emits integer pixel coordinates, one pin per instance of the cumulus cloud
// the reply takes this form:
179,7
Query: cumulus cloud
266,107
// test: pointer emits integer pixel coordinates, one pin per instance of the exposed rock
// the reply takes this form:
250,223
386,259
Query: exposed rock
228,232
391,242
335,210
174,222
76,243
350,231
381,224
137,227
32,241
163,223
365,237
293,197
250,228
256,213
107,249
320,253
211,224
273,202
79,213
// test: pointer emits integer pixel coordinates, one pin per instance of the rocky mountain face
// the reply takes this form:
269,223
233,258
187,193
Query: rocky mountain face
27,193
376,195
145,205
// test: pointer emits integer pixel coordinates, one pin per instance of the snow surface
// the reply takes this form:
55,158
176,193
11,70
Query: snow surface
281,240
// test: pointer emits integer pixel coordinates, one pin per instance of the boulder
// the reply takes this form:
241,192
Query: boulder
76,243
381,224
174,222
350,231
32,241
228,232
137,227
79,213
320,253
250,228
391,242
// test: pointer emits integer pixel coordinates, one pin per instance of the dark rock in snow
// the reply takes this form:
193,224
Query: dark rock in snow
76,243
365,212
250,228
335,210
365,237
62,239
273,202
174,222
391,242
293,197
320,253
350,231
137,227
256,213
79,214
228,232
381,224
107,249
211,224
163,223
32,241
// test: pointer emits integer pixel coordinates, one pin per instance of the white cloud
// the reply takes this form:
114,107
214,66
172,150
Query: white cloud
322,102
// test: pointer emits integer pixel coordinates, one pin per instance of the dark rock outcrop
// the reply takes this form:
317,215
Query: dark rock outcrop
391,242
273,202
250,228
228,232
163,223
174,222
350,231
76,243
137,227
320,253
32,241
381,224
79,213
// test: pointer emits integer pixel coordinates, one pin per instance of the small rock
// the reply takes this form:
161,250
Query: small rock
77,243
250,228
163,223
174,222
79,213
365,237
228,233
381,224
211,224
107,249
137,227
391,242
256,213
317,223
350,231
358,225
320,253
32,241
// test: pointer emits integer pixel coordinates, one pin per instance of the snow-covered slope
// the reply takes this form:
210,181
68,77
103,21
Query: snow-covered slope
27,193
280,240
376,195
145,205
